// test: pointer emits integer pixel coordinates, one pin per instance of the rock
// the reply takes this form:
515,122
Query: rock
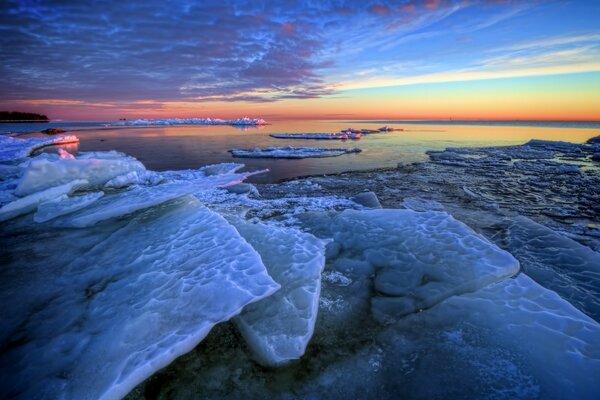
367,199
595,139
53,131
596,156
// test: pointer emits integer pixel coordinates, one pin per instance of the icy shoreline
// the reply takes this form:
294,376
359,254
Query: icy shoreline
245,121
111,271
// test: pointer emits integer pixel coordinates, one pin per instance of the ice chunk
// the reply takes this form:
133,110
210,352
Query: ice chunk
64,205
192,121
148,178
419,258
512,339
367,199
140,197
12,149
97,326
558,263
29,203
278,329
43,174
318,136
293,152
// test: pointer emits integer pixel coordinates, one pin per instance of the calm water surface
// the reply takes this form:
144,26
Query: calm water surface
183,147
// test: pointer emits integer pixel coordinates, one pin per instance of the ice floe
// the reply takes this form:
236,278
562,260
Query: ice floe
293,152
191,121
278,328
318,136
12,149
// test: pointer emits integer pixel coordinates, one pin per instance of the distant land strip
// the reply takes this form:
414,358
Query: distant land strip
15,116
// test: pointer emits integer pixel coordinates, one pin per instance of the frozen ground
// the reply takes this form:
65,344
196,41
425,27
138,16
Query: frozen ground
478,279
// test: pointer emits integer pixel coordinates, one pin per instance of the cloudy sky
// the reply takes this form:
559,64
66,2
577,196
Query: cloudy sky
104,60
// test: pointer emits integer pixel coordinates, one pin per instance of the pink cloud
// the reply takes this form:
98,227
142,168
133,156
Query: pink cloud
380,9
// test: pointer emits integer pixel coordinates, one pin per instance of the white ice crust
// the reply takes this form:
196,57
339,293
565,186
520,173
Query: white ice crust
278,328
419,258
12,149
152,293
192,121
293,152
43,174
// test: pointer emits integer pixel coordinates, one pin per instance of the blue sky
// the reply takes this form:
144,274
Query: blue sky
108,53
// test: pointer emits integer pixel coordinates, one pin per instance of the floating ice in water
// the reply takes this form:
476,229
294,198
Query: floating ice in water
100,324
558,263
64,205
293,152
43,174
318,136
191,121
278,328
512,339
12,149
29,203
419,258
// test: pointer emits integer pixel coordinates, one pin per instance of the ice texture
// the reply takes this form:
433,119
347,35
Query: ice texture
512,339
64,205
293,152
558,263
192,121
102,323
12,149
278,328
418,258
29,203
43,174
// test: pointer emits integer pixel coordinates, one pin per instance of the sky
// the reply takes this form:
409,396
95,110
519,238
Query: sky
430,59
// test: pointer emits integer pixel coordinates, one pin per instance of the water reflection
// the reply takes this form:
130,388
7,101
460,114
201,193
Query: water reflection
188,147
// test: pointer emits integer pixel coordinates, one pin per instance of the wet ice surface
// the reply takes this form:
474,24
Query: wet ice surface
293,152
110,272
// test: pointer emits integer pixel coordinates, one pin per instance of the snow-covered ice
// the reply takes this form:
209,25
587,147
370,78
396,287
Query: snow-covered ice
12,149
293,152
278,328
43,174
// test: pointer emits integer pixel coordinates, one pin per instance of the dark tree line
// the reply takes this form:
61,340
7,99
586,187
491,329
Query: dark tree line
21,116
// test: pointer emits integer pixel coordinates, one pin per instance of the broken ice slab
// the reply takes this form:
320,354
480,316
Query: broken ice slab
558,263
278,328
96,326
293,152
512,339
418,258
42,174
13,149
29,203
